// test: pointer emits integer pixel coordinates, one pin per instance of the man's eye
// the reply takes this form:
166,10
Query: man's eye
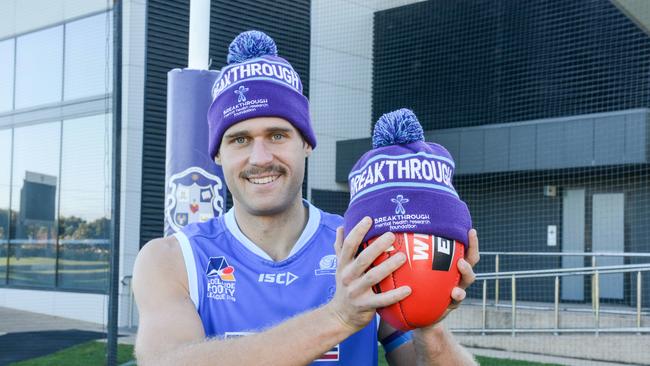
278,136
240,140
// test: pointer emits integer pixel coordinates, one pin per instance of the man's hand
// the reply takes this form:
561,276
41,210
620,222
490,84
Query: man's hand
355,303
434,344
467,276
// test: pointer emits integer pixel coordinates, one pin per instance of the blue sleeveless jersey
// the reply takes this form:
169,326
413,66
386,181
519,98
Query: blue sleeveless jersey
238,289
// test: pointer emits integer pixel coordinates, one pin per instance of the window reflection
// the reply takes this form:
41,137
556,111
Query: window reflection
6,75
5,175
55,193
84,220
88,57
32,248
39,67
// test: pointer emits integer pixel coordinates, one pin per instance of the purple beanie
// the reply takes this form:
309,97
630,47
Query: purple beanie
256,83
405,184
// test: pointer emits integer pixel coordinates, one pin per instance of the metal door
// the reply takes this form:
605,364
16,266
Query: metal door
573,240
608,236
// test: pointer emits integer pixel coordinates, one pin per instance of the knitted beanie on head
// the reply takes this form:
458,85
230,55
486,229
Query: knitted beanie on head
256,83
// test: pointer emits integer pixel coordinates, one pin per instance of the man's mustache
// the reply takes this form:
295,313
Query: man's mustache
256,171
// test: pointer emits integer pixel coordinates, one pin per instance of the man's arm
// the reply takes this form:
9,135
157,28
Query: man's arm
170,331
435,345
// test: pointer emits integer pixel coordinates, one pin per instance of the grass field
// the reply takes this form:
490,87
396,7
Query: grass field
93,353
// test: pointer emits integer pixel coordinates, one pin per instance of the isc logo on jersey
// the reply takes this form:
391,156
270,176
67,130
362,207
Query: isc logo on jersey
285,278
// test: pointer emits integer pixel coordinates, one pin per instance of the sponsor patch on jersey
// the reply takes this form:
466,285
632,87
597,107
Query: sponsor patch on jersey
221,279
332,355
231,335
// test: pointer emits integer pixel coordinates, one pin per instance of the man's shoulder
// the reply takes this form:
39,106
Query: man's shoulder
159,261
330,220
210,228
160,250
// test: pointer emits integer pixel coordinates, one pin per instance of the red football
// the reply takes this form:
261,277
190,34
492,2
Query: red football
430,270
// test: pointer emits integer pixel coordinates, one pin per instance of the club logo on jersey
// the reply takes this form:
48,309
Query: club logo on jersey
193,195
327,265
285,278
221,279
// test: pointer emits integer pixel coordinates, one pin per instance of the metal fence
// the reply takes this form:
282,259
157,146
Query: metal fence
594,273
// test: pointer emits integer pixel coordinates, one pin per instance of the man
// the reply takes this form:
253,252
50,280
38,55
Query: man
262,285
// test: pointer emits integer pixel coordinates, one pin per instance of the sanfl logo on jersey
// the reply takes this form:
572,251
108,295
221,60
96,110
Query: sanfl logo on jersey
221,279
218,266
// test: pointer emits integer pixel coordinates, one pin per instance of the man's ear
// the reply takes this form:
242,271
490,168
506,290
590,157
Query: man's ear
308,150
217,159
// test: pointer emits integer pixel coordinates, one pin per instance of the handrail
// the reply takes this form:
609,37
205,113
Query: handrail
565,271
574,254
126,281
592,255
594,271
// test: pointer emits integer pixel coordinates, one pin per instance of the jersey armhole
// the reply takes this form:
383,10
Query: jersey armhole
190,267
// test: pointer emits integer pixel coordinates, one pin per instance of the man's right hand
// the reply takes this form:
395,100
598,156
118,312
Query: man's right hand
355,303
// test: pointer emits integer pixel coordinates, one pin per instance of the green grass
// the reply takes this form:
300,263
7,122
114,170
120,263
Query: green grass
94,353
489,361
89,353
483,361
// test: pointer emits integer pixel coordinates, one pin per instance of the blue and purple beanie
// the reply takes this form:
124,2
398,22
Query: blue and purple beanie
256,83
405,184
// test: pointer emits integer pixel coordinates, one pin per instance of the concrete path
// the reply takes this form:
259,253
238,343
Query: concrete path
25,335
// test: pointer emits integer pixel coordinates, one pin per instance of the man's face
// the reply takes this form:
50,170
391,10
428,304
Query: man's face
263,161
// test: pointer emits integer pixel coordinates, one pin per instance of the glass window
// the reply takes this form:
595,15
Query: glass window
5,176
84,220
32,246
7,75
39,67
88,57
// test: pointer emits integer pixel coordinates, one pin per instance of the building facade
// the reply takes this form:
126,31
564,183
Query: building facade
543,104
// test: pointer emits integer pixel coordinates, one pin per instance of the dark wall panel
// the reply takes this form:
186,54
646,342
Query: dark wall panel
330,201
166,43
461,63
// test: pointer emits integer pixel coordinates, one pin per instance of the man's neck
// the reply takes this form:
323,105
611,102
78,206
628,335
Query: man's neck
276,235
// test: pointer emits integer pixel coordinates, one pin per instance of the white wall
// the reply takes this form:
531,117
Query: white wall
87,307
20,16
133,69
340,79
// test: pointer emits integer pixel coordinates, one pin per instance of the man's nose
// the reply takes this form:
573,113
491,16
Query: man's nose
260,154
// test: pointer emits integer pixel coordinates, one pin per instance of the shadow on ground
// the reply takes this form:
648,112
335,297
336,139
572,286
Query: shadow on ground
19,346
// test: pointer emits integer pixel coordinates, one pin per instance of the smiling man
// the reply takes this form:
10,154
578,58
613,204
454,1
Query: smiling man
274,281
